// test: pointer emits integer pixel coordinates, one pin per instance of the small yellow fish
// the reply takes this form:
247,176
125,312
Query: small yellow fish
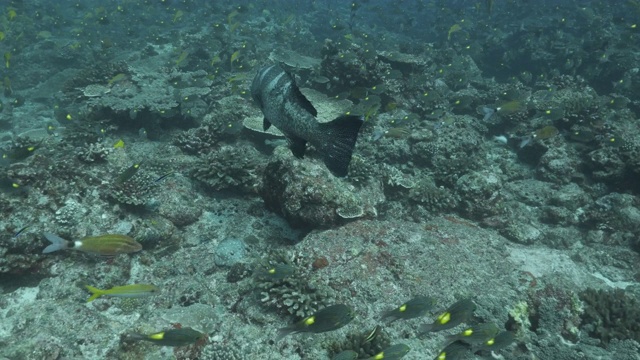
182,57
116,78
7,59
234,56
11,14
119,144
178,16
399,132
126,291
231,15
234,26
452,29
2,35
43,35
511,107
75,45
7,86
546,132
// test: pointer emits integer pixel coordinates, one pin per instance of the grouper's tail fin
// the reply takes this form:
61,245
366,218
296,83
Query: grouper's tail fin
339,140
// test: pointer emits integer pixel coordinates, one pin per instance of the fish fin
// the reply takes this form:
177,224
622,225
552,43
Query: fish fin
297,145
134,337
389,317
426,328
303,101
266,124
57,243
340,137
284,332
96,293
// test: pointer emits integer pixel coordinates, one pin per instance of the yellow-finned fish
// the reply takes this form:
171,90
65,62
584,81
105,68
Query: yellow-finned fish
475,334
456,314
126,291
416,307
454,28
393,352
173,337
128,173
346,355
105,245
328,319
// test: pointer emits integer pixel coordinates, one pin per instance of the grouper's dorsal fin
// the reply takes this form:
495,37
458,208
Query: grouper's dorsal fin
266,124
299,96
303,101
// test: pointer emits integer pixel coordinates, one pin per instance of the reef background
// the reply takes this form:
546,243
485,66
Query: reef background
500,160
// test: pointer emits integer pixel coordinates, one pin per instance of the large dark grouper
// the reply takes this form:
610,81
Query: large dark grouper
284,106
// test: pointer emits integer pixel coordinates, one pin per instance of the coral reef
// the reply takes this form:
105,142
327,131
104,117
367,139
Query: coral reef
300,294
307,195
498,160
236,168
610,314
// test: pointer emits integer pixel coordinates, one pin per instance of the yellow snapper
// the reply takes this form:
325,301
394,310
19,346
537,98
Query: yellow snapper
105,245
126,291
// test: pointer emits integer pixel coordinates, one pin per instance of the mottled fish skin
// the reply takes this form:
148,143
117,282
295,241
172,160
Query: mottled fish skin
285,107
273,89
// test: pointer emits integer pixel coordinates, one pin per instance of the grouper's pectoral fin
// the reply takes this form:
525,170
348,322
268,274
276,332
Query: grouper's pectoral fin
297,145
266,124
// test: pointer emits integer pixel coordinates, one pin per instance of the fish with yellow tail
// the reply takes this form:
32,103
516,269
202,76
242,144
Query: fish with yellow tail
104,245
173,337
285,107
456,314
126,291
393,352
328,319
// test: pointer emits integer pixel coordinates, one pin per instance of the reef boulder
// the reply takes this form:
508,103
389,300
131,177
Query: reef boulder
307,195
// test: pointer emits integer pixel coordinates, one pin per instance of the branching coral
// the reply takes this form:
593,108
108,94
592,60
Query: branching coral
231,167
297,294
93,152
